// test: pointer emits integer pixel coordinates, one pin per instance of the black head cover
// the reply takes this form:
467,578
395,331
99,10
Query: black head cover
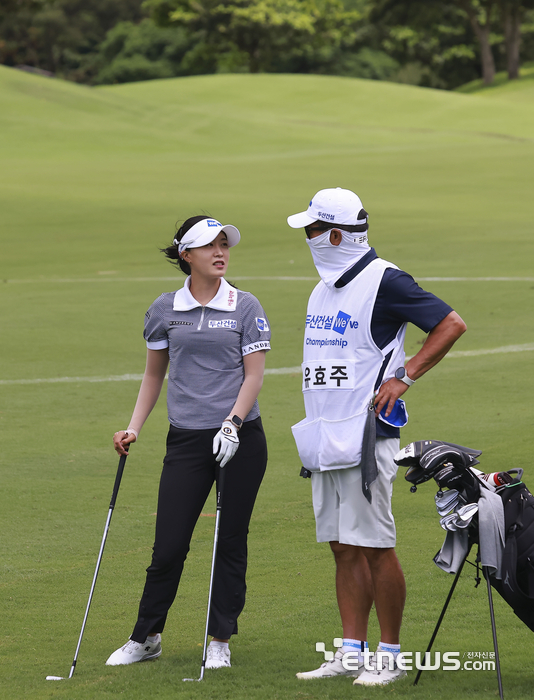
425,457
461,479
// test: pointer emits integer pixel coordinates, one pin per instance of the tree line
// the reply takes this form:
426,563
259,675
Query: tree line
433,43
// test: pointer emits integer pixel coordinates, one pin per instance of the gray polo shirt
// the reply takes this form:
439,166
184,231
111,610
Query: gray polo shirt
206,348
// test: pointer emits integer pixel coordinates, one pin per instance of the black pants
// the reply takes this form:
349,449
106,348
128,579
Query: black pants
189,470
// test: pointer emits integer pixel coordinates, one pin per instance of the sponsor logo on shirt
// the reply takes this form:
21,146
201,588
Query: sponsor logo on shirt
223,323
180,323
262,324
231,297
255,347
339,324
324,342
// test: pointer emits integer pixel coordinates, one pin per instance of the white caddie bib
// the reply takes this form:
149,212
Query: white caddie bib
341,363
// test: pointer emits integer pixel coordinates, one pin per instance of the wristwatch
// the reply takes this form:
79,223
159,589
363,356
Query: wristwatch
236,420
401,374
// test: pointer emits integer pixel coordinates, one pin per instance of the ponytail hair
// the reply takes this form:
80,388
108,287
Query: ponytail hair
171,252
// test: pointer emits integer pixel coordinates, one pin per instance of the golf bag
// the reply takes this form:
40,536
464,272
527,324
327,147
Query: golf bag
453,468
517,583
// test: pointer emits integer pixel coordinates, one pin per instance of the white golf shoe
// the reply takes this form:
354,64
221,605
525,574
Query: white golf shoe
380,671
217,656
132,652
331,668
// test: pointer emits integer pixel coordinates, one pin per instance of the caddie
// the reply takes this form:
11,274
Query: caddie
354,375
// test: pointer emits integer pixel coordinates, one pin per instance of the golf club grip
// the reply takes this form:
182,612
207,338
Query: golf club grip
220,487
120,470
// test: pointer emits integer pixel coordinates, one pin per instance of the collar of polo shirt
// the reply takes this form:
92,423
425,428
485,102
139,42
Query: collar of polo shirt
224,300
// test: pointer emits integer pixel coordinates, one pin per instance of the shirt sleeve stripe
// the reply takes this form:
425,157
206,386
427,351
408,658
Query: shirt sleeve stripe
157,344
256,347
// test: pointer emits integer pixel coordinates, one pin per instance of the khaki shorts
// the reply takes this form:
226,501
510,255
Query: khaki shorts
343,514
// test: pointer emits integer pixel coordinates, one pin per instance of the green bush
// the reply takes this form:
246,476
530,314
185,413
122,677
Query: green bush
133,69
132,52
366,63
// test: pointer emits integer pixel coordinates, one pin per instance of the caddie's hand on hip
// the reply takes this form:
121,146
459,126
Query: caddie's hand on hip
225,443
122,440
388,393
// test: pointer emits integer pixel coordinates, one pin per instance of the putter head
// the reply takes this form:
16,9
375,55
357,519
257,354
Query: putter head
191,679
55,678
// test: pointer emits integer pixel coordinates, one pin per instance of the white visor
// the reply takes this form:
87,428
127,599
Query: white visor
205,232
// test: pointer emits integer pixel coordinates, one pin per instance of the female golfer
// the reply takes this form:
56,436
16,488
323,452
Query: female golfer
213,338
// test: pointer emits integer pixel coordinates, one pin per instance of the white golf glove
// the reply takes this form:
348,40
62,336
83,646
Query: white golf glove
225,443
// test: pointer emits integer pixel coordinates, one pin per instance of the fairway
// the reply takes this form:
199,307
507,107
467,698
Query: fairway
93,181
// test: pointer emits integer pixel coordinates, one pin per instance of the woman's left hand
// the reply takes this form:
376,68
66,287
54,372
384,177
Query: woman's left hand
225,443
122,440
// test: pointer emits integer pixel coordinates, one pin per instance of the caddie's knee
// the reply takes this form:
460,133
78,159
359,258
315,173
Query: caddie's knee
344,552
380,559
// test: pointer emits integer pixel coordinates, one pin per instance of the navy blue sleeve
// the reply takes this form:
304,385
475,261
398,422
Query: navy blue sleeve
401,300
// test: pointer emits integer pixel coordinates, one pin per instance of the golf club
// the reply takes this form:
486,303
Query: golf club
122,462
447,501
448,522
466,513
215,541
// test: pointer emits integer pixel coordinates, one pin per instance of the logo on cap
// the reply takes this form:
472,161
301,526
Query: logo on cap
212,222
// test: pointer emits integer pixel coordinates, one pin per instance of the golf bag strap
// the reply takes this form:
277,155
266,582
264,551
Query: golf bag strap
530,578
511,590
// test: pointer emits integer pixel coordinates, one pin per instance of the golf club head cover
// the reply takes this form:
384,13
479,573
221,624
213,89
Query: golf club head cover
424,457
225,443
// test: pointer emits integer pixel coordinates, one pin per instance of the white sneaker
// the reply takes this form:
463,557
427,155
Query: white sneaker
334,667
133,651
379,673
217,656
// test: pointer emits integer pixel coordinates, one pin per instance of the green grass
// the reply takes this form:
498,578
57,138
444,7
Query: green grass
515,91
92,182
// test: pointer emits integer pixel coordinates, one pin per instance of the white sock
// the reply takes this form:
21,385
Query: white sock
152,637
354,645
392,648
222,645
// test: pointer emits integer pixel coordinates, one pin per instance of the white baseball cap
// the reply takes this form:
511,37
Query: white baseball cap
335,206
204,232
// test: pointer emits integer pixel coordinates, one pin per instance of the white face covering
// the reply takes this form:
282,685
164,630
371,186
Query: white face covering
332,261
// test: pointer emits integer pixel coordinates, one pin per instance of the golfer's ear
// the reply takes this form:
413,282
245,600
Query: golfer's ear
335,236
